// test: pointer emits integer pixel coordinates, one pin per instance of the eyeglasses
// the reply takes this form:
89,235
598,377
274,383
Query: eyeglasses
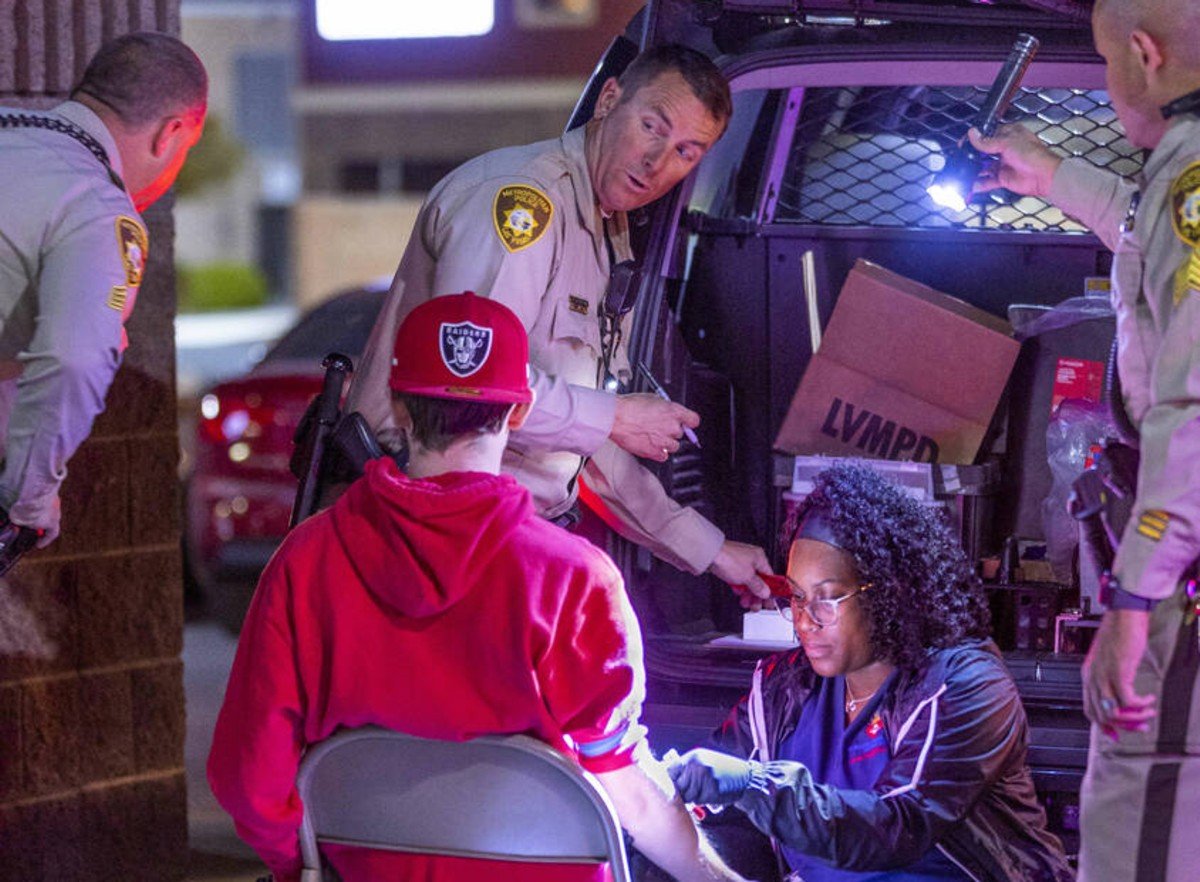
822,610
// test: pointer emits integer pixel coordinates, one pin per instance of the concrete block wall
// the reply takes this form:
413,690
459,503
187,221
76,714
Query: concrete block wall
91,684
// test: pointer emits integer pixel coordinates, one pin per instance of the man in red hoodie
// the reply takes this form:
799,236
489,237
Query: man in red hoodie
438,603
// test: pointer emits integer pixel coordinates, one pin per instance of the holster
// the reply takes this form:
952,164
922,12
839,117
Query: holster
1102,501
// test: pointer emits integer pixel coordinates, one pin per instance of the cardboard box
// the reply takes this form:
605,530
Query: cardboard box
903,372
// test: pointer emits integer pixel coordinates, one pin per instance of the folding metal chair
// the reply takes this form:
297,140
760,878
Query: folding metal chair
503,798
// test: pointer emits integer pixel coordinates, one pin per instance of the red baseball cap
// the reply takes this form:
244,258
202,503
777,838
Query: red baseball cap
462,347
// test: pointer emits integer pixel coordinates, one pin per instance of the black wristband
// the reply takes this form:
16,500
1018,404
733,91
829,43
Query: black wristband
1113,596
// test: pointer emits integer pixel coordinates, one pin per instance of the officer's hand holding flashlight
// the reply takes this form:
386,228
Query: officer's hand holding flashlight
1026,165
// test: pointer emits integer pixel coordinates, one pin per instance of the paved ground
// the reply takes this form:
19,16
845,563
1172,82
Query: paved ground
217,855
211,348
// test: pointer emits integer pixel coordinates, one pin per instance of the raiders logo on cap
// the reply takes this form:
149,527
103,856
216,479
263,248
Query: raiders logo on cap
465,347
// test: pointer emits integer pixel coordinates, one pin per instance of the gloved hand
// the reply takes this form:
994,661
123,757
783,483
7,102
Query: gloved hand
706,777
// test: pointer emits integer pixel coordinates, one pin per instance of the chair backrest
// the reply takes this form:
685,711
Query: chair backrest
504,798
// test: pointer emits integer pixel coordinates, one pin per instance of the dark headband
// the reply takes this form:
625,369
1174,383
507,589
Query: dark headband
818,525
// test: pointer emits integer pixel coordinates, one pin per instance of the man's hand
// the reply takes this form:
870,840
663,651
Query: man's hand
707,777
649,427
1026,166
738,564
1108,697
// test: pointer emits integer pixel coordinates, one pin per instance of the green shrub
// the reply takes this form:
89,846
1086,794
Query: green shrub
221,285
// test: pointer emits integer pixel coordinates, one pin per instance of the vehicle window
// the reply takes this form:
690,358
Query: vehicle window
862,156
341,325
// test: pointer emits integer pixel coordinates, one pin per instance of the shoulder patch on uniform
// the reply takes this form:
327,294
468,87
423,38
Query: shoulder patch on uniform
135,248
1185,205
521,214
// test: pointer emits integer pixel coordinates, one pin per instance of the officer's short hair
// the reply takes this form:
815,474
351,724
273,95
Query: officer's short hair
145,76
708,84
438,422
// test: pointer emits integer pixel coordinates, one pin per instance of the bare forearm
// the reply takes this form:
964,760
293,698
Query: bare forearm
660,825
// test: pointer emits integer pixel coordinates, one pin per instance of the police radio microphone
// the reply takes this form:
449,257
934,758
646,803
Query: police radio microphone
952,186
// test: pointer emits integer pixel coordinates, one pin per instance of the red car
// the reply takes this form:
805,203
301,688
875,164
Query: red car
239,495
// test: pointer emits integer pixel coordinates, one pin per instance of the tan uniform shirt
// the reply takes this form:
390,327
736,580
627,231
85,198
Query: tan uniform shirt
72,252
1156,295
521,225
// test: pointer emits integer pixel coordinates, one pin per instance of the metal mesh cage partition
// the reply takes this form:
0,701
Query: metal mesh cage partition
862,156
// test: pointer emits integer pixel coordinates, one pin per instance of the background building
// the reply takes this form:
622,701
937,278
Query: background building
342,138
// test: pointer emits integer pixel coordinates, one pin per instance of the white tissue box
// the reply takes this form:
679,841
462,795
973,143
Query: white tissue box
767,626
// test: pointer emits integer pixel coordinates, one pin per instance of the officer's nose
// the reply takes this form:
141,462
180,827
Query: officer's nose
652,158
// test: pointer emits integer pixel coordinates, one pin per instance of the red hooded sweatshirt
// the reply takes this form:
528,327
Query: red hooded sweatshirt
444,608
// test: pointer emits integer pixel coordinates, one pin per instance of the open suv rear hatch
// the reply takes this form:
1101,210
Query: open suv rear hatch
842,114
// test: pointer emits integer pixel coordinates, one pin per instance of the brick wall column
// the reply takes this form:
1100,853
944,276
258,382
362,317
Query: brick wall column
91,686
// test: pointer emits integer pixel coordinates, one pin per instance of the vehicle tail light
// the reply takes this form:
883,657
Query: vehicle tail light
229,418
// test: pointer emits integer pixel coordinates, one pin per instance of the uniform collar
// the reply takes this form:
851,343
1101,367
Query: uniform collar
1180,133
585,197
86,118
1189,103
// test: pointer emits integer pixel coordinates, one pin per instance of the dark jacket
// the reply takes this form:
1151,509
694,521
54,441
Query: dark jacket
957,778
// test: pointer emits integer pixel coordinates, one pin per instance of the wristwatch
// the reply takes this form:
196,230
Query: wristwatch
1113,596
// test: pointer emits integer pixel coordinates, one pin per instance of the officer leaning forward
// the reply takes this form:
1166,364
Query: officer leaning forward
72,251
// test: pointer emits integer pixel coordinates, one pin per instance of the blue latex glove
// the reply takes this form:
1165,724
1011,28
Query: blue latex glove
706,777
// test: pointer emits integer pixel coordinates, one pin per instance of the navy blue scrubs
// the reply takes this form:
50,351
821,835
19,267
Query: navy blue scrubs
851,758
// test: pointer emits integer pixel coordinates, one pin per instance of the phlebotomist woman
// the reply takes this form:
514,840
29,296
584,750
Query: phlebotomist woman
891,745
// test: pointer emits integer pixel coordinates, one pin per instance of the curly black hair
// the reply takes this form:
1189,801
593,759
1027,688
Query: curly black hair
924,594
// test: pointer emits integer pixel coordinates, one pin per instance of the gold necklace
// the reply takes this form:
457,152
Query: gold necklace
852,703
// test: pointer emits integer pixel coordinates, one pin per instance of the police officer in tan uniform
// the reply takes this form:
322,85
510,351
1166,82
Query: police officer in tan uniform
539,227
73,249
1141,795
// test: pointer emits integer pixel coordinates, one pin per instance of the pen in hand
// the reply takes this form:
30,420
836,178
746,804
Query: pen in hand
658,390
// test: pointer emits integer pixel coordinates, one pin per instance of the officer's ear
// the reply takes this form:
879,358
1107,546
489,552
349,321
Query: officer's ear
1147,53
171,130
610,97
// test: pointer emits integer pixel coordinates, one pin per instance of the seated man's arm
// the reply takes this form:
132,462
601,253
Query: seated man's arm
659,823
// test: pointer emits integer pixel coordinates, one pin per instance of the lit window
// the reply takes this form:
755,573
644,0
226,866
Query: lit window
372,20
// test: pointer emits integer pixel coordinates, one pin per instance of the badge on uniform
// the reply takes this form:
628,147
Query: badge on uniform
465,347
135,247
1185,205
521,214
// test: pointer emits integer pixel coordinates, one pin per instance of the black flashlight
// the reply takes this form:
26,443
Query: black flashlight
951,186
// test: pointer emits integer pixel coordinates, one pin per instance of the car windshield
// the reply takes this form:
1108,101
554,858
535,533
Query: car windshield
341,325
